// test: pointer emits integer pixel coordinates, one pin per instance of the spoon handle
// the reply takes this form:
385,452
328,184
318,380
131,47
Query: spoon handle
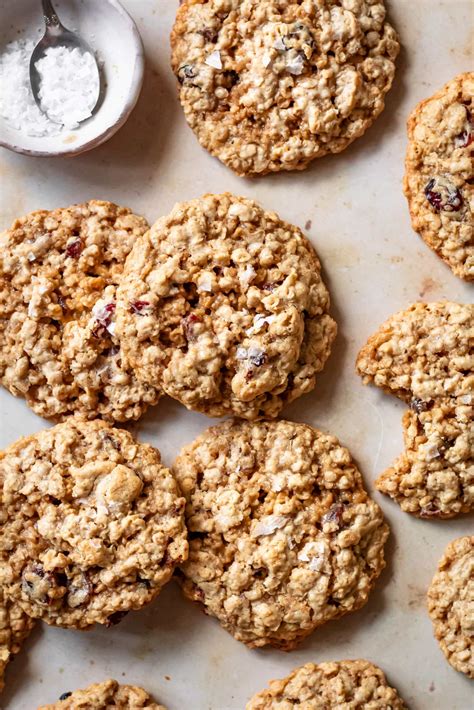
50,17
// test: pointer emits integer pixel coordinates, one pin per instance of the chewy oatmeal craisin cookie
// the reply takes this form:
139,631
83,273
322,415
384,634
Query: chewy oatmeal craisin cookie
269,85
58,276
222,303
338,685
91,524
283,536
451,604
439,178
425,356
105,696
15,626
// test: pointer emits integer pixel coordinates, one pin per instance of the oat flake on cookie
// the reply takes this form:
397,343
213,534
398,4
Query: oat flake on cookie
269,85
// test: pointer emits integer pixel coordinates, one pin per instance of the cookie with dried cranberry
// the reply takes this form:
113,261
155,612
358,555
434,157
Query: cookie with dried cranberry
15,626
451,604
92,524
355,685
58,276
268,85
283,536
425,356
439,175
222,303
103,696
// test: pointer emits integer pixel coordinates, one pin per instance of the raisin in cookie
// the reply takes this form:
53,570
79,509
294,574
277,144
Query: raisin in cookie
451,604
283,536
92,524
425,356
104,696
58,275
348,685
15,626
222,303
439,177
269,85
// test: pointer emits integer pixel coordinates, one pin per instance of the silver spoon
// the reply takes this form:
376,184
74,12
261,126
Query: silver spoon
56,35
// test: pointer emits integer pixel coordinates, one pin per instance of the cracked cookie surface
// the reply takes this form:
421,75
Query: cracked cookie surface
15,626
451,604
104,696
58,276
283,536
92,524
223,304
269,85
338,685
425,356
439,174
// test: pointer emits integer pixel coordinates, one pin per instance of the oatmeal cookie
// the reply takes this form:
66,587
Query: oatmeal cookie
222,303
91,524
338,685
15,626
451,604
283,536
439,177
58,275
104,696
425,356
269,85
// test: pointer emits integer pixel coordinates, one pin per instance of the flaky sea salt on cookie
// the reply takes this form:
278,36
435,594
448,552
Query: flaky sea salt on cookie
283,536
104,696
58,276
269,85
222,304
451,604
439,173
425,356
338,685
91,527
15,626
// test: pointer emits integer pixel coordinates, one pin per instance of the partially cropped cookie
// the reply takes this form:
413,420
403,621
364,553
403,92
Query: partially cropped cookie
104,696
283,536
269,85
352,685
92,524
15,626
451,604
222,303
58,276
425,356
439,173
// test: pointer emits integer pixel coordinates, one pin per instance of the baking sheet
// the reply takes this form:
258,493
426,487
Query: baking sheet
357,218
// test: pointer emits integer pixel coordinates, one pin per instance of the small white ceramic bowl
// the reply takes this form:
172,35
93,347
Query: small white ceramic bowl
110,30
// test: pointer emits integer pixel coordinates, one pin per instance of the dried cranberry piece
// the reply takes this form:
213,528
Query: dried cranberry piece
188,326
444,197
231,77
431,511
209,34
138,306
79,592
62,303
65,696
258,360
334,514
37,583
116,618
464,139
434,198
418,405
74,249
187,71
103,319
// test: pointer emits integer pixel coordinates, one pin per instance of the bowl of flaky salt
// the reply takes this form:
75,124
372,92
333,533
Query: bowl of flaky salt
84,101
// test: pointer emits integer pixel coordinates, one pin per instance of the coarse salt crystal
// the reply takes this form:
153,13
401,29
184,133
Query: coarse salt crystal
241,354
295,65
214,60
268,525
31,256
466,399
205,283
266,60
247,275
430,450
279,44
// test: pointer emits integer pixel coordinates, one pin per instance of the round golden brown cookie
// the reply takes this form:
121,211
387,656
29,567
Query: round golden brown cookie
15,626
439,175
58,275
425,356
338,685
269,85
92,524
223,305
451,604
283,536
104,696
